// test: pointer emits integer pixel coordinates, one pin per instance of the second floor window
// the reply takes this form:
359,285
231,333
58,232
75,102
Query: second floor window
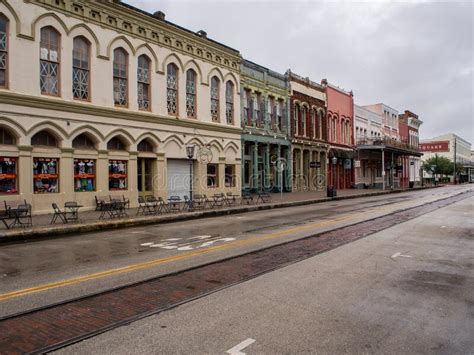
215,99
229,102
80,69
296,124
3,51
49,61
304,114
120,77
191,93
143,83
172,89
248,107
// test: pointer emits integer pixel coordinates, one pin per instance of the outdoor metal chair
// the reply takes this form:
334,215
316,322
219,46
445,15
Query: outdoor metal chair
62,215
246,198
164,207
99,203
143,207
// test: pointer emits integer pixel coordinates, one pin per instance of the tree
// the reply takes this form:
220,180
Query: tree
438,165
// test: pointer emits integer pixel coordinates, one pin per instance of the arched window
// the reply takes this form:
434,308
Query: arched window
3,51
303,121
81,69
320,125
229,102
6,137
297,120
49,61
314,122
145,146
115,144
143,83
191,93
343,131
120,77
215,99
172,89
44,138
83,141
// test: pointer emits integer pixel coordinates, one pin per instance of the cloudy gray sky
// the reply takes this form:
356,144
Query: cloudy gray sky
408,55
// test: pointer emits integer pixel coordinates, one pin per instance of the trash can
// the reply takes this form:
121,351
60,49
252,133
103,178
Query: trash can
411,184
331,191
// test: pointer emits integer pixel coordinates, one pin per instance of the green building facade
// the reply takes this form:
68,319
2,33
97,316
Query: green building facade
266,150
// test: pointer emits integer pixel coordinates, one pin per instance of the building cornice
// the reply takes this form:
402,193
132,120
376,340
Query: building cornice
54,104
126,20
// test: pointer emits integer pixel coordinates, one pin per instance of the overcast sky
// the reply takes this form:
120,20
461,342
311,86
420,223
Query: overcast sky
408,55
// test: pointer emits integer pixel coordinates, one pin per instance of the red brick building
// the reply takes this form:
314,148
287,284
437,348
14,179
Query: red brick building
340,136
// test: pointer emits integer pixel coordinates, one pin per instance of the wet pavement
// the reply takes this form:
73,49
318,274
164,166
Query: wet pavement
406,290
156,250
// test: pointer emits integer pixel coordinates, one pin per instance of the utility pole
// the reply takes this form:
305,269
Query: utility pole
454,172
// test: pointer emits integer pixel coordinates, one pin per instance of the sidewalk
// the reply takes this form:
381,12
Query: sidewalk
89,220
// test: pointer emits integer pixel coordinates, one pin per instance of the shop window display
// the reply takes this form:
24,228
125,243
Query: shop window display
84,175
46,175
118,175
8,176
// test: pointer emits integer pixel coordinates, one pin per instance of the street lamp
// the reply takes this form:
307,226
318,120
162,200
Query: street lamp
190,154
334,162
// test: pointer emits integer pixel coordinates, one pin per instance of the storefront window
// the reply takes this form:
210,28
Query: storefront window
45,175
84,175
8,176
212,175
230,176
118,175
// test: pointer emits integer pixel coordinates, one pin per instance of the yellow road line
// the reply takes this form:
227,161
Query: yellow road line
186,255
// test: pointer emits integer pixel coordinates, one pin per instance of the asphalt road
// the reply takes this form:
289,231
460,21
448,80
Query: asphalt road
408,289
38,273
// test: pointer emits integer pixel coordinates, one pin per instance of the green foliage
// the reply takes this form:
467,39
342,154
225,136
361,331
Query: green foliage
441,165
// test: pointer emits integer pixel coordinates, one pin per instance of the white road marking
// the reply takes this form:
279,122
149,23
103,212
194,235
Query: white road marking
236,350
173,239
396,255
443,226
146,244
202,237
188,247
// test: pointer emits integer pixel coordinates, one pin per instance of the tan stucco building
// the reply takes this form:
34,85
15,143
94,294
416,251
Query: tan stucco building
99,98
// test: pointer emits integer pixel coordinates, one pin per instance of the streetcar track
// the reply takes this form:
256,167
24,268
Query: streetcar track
20,332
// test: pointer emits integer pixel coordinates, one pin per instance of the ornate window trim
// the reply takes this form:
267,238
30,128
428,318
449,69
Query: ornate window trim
120,75
172,89
4,23
191,95
229,102
50,61
215,100
144,83
81,69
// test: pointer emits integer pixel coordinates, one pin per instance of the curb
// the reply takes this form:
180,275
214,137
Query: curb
51,231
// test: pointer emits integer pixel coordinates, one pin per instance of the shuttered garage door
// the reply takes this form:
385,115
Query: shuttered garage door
178,177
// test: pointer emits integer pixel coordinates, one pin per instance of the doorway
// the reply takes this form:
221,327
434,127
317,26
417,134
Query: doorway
145,176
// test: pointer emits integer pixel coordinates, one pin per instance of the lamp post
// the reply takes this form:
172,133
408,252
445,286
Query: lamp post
334,162
190,154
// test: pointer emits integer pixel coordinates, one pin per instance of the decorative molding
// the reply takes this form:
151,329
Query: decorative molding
128,21
92,110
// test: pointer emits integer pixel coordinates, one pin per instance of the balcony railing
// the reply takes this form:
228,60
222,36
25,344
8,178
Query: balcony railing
384,141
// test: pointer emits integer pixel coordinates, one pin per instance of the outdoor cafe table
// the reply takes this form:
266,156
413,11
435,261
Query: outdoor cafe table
17,214
113,209
72,209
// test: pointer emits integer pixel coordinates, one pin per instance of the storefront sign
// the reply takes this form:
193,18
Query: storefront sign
314,164
439,146
347,164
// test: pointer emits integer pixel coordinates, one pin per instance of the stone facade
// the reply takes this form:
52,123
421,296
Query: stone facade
101,98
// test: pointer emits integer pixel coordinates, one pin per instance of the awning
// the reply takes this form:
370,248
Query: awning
341,153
